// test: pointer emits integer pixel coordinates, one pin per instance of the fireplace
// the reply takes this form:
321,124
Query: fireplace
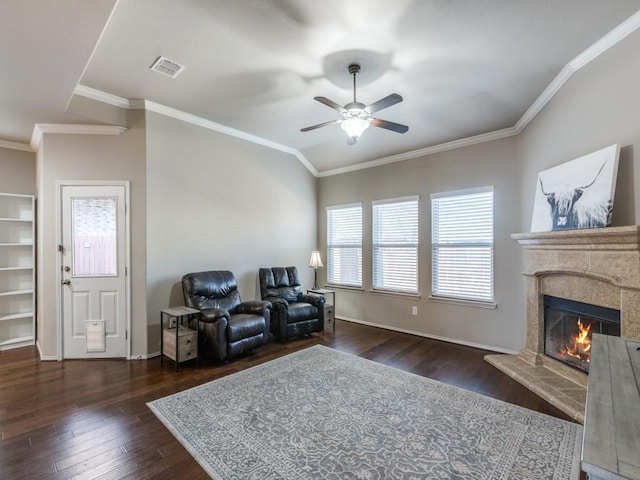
599,266
568,326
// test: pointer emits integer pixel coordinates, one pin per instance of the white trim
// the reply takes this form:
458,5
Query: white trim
127,261
408,198
104,97
544,98
95,48
25,147
45,358
40,129
428,335
627,27
466,191
340,206
599,47
619,33
422,152
218,127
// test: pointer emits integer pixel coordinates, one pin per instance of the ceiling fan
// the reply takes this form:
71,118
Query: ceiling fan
356,117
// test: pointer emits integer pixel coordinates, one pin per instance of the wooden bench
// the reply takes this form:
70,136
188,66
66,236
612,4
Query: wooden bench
611,441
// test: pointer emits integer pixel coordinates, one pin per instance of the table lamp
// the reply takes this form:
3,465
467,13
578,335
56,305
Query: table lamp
315,262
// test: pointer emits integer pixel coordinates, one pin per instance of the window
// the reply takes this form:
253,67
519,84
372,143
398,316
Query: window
344,245
395,245
462,244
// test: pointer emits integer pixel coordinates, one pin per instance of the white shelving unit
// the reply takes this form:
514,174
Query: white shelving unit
17,270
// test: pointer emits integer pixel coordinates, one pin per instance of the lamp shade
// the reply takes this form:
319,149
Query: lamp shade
354,127
315,261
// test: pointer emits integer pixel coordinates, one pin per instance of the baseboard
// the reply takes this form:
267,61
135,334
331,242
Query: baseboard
428,335
145,357
45,358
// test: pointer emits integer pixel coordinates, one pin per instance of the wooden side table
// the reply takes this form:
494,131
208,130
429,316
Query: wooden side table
329,308
179,343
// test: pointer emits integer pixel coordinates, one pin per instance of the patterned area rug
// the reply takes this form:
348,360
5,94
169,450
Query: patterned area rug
323,414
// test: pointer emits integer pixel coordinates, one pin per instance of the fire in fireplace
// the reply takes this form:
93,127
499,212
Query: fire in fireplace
568,326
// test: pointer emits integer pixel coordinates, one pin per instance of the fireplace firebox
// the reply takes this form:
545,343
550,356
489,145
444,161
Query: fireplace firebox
568,326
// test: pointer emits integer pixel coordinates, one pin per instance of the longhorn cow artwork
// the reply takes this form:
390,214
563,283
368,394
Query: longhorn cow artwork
577,194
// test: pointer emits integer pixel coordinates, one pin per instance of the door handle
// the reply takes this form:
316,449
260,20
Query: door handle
66,281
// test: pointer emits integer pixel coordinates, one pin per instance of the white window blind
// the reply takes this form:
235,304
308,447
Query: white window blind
395,245
344,245
462,244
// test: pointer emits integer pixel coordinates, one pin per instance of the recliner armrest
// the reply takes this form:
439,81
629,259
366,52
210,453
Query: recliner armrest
278,302
255,307
210,315
312,298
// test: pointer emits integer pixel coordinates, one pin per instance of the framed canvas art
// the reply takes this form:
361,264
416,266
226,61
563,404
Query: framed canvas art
577,194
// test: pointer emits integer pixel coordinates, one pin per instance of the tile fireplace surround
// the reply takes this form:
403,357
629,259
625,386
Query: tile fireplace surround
597,266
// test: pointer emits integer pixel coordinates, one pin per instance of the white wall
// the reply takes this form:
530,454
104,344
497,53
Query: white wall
215,202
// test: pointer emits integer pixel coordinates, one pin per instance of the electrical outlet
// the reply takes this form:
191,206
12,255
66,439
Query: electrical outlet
414,310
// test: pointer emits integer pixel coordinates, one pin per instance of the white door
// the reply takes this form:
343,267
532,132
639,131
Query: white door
93,271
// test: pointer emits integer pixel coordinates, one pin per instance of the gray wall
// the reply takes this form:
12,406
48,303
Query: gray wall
597,107
17,171
215,202
90,157
493,163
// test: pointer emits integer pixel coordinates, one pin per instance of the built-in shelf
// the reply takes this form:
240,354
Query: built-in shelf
17,274
15,316
10,293
27,339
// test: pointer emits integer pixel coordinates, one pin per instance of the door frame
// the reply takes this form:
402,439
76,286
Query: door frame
60,184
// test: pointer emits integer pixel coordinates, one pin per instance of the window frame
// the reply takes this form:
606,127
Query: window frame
468,299
332,247
377,245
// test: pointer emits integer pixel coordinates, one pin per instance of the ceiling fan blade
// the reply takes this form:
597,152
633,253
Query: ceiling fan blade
395,127
325,124
331,103
384,103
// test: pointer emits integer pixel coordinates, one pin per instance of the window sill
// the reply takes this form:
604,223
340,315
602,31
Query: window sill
466,303
333,286
394,293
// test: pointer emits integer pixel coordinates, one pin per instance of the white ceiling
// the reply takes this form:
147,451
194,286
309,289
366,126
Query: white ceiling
464,67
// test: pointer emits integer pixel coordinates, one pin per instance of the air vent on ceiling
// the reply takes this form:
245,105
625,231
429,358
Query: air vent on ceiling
167,67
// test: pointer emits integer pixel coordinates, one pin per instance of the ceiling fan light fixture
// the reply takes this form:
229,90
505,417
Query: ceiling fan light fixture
356,116
354,128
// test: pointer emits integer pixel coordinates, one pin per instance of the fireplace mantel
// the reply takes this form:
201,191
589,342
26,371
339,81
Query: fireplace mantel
597,266
611,238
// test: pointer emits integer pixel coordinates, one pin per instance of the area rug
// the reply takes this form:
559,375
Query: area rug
323,414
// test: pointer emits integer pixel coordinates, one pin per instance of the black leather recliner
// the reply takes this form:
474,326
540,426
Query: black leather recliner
294,313
228,326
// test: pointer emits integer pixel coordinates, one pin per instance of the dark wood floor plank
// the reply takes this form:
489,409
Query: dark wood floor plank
88,420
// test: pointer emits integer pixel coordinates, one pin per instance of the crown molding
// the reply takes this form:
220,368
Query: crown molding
25,147
101,96
443,147
620,32
605,43
40,129
218,127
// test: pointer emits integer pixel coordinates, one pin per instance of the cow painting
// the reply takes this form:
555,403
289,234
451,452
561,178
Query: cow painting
577,194
567,213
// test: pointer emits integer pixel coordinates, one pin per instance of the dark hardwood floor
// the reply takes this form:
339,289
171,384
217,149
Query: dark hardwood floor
89,420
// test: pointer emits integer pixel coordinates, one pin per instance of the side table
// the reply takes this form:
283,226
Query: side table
329,308
179,343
